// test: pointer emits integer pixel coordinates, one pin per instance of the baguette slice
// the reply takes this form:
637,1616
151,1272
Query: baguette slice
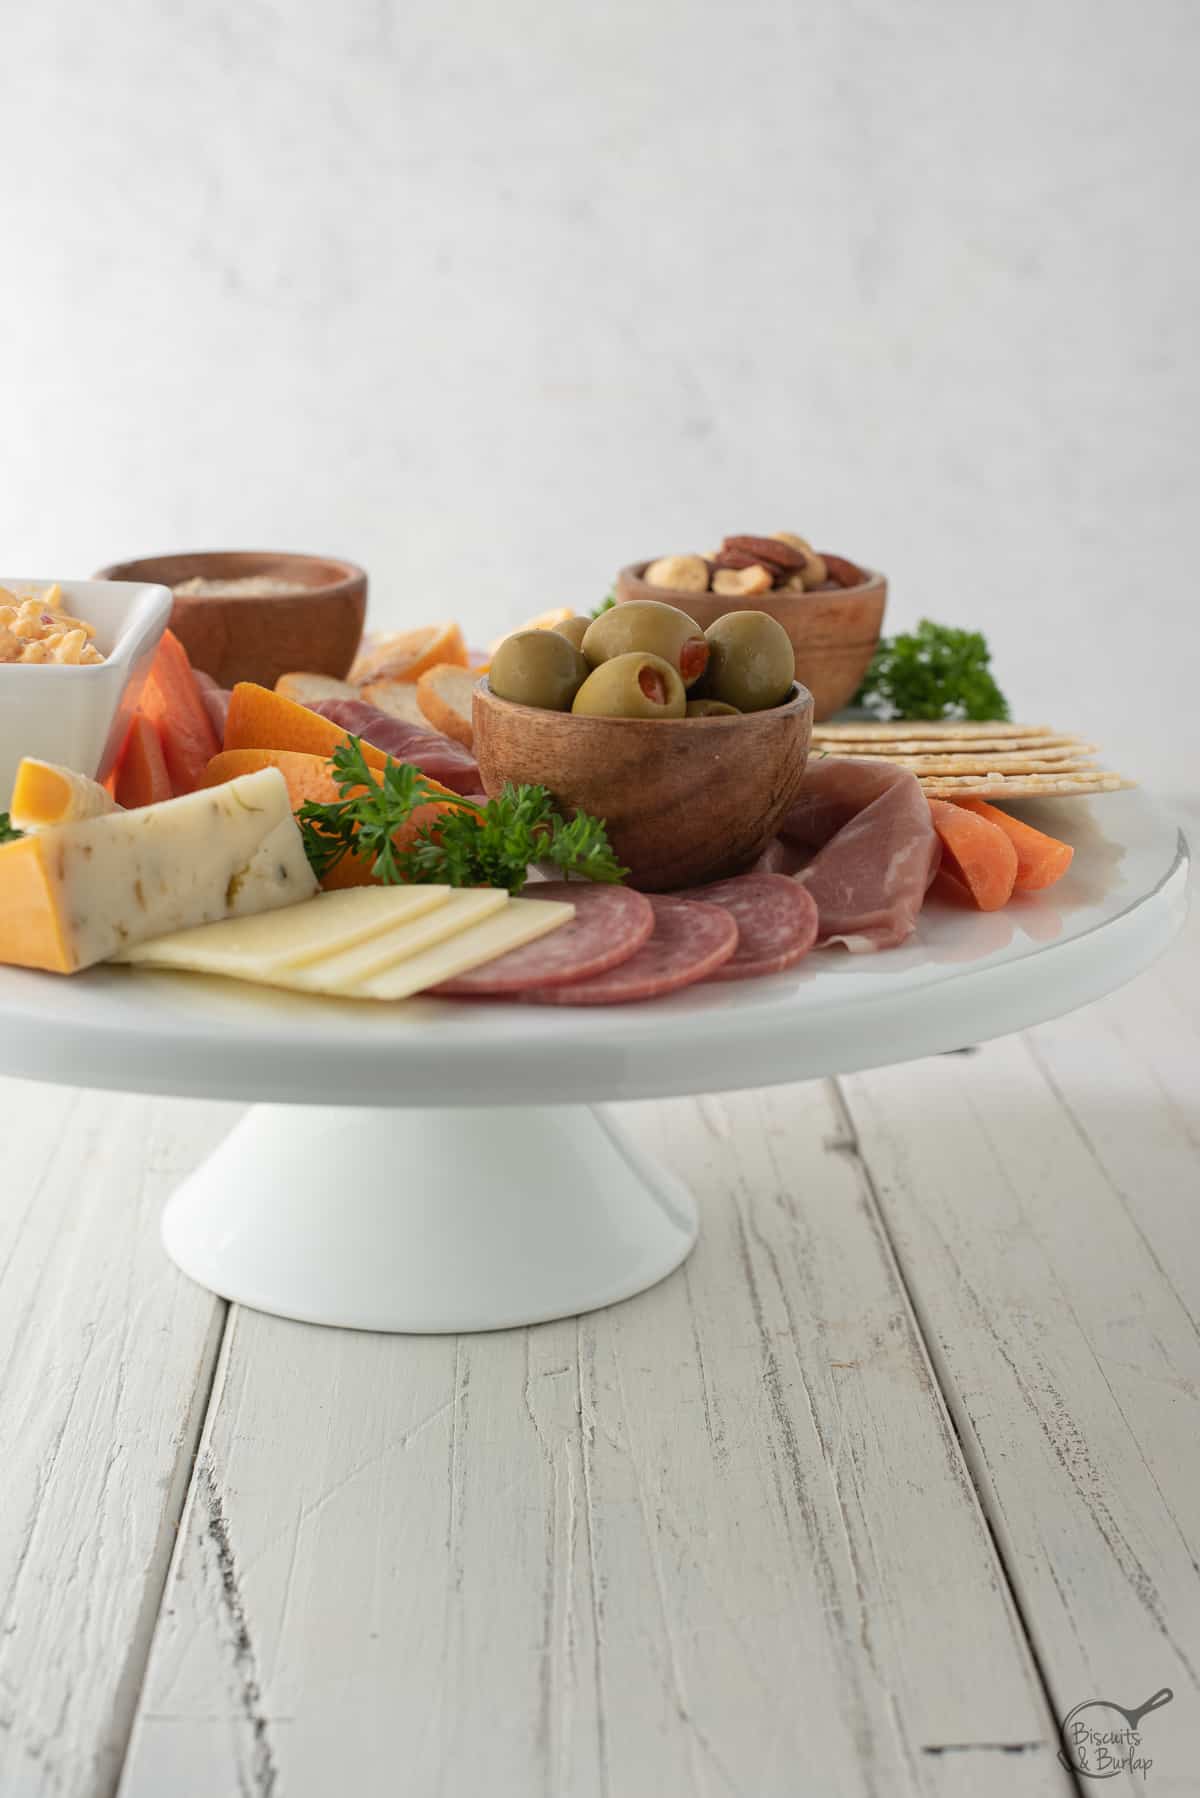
398,698
405,655
311,689
444,694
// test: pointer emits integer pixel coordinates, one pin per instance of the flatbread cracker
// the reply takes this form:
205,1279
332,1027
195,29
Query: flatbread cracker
871,729
1065,762
950,745
1024,786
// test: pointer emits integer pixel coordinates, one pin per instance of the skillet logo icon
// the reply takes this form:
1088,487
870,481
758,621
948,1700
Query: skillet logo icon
1101,1739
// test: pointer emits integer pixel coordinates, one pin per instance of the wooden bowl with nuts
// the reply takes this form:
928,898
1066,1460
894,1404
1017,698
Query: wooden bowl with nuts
686,800
831,608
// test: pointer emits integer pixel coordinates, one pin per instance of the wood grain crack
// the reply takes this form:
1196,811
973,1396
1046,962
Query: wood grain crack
982,1747
262,1769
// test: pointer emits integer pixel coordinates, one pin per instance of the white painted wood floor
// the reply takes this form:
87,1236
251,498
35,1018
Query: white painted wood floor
902,1466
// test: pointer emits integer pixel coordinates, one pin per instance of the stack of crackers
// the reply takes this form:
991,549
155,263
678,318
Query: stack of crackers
979,761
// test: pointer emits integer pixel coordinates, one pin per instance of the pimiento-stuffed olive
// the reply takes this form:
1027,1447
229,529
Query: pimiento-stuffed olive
574,630
751,662
652,628
711,708
538,668
634,685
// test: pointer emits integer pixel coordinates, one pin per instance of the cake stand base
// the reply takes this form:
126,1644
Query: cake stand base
428,1221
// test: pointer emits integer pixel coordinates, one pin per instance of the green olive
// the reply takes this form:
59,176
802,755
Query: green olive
711,708
635,685
751,661
574,630
537,668
652,628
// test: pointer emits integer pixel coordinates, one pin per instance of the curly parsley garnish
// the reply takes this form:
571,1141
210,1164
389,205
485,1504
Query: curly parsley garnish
932,672
466,845
367,817
8,832
493,845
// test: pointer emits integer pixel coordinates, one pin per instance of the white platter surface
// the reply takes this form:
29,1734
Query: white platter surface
964,977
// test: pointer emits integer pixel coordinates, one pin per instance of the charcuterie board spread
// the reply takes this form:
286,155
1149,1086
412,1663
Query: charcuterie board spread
603,809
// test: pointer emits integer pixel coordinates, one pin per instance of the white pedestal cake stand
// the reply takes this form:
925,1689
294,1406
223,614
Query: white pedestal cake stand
438,1166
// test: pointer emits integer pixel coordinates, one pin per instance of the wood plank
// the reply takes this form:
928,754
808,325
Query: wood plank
716,1540
1041,1195
106,1355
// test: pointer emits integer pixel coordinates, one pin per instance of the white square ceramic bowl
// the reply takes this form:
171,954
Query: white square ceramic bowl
78,716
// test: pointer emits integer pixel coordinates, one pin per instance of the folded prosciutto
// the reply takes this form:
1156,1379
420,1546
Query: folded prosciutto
216,700
440,757
871,850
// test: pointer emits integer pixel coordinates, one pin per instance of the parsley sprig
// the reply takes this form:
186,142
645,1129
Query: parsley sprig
466,845
368,815
493,845
8,832
932,672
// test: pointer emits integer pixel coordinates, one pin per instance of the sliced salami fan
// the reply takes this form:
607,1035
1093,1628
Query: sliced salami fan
689,943
610,925
776,919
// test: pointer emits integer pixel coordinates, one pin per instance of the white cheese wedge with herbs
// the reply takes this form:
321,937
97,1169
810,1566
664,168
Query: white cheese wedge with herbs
76,894
342,972
521,921
283,942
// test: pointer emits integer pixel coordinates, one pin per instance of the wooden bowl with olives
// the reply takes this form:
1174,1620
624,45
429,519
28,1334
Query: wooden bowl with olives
691,786
834,628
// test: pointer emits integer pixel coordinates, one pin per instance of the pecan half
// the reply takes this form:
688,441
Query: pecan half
769,550
735,558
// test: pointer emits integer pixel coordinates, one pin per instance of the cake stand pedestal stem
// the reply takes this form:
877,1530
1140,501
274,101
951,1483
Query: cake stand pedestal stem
428,1221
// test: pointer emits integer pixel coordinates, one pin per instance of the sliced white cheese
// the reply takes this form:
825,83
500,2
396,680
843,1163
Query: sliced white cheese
521,921
259,948
342,973
75,894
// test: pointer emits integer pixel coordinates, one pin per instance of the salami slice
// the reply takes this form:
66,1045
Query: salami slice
689,943
776,919
610,925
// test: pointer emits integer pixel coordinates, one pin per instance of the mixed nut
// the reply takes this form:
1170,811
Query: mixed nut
747,565
644,659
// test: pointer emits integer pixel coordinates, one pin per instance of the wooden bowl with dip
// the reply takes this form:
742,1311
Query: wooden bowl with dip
834,633
686,800
253,615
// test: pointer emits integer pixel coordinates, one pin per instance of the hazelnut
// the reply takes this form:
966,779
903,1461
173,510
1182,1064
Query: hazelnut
815,571
686,574
744,582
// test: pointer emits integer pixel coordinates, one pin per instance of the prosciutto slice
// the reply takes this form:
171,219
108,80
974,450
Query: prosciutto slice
440,757
861,839
216,700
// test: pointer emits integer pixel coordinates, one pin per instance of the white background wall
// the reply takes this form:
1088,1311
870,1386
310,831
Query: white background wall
495,297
